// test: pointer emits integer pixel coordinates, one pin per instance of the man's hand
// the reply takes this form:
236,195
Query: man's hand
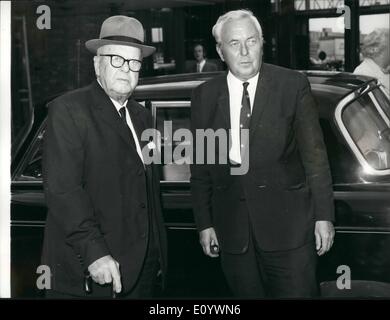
207,237
106,270
324,233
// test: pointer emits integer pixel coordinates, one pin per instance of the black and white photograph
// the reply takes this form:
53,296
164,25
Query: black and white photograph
195,150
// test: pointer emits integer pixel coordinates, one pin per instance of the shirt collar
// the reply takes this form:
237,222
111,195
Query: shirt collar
233,80
117,105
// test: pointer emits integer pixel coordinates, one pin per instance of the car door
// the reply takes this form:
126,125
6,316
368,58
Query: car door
28,215
358,143
191,273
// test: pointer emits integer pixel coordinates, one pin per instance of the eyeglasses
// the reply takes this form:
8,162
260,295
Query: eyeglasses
118,61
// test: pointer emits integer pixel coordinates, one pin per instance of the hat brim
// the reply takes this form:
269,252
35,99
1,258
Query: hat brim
94,44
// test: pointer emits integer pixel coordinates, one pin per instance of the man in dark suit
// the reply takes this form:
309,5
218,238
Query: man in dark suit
201,64
104,218
268,222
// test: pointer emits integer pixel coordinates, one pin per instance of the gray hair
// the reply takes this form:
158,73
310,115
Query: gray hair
235,15
375,43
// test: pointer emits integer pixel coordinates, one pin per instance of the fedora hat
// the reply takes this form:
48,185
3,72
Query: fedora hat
121,30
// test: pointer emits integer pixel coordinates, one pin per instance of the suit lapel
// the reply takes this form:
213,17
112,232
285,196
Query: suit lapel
261,100
107,113
139,125
223,103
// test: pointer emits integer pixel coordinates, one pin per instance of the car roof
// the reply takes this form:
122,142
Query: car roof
177,86
171,86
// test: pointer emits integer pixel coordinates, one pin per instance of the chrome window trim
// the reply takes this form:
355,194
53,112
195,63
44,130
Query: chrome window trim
167,104
383,90
27,182
367,168
189,84
379,109
174,181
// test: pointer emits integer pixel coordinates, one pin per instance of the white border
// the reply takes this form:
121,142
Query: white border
5,148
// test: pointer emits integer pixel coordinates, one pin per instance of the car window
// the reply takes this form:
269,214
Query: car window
368,127
342,162
382,100
173,168
170,117
32,165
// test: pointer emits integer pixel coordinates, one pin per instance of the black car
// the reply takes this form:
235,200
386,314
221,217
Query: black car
355,119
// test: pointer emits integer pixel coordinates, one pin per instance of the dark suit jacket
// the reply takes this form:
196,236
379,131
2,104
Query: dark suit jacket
208,67
95,187
288,186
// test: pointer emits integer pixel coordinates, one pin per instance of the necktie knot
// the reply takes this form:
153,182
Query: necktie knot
122,111
245,85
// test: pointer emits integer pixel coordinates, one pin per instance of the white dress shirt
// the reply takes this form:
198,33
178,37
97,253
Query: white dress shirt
118,106
236,88
369,68
200,65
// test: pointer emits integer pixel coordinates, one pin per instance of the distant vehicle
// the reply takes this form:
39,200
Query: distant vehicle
355,119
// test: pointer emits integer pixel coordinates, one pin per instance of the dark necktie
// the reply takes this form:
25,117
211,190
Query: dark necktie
245,114
122,111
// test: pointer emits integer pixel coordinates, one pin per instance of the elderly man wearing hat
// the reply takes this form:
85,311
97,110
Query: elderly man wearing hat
104,219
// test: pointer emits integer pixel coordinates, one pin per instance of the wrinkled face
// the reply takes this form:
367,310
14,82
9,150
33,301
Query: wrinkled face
117,82
198,53
241,48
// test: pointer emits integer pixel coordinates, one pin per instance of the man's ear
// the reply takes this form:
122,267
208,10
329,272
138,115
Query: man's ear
218,47
96,64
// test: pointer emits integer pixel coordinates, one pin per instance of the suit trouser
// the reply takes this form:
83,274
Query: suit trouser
277,274
147,279
144,287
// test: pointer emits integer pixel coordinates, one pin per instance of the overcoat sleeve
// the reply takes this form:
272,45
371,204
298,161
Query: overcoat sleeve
201,183
63,173
313,152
